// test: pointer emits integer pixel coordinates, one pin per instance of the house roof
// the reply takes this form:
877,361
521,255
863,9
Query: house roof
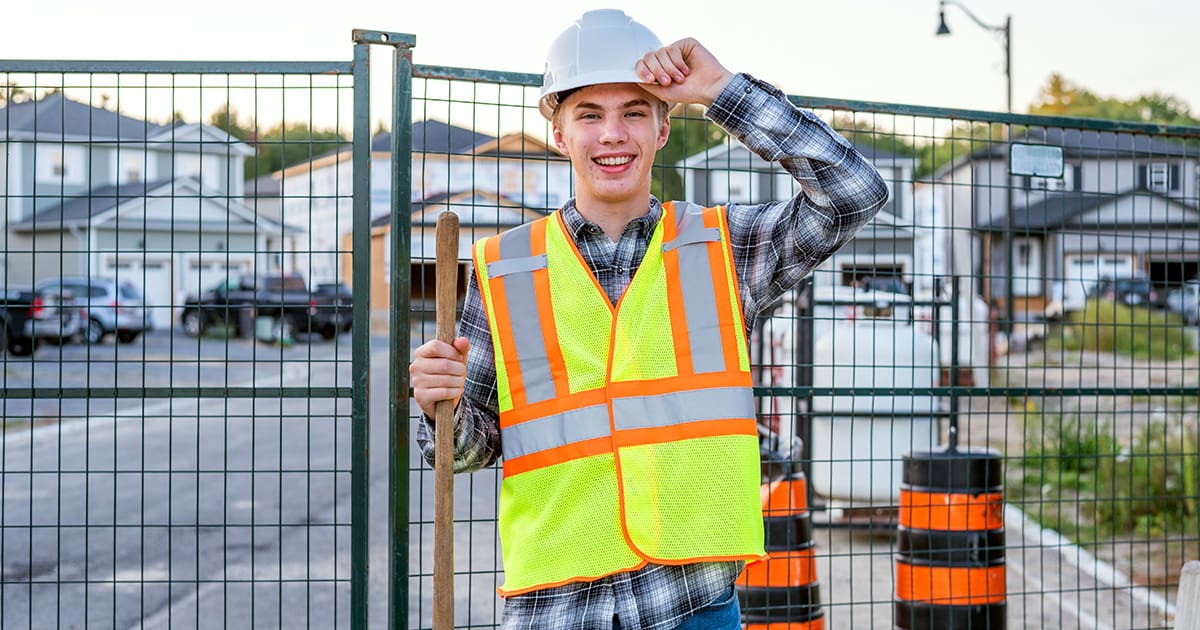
58,117
1059,209
462,197
435,136
96,206
1078,143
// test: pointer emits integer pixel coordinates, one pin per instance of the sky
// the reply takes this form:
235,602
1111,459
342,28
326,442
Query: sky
874,50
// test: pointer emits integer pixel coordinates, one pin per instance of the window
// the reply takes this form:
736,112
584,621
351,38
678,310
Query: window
60,163
1027,267
134,166
1159,177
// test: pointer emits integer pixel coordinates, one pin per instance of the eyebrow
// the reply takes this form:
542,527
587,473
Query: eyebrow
638,102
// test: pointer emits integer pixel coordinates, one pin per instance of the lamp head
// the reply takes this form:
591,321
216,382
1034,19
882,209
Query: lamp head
942,28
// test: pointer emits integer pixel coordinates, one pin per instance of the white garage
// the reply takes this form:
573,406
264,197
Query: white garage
152,277
1081,272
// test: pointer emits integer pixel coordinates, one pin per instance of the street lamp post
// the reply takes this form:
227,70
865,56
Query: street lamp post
1006,32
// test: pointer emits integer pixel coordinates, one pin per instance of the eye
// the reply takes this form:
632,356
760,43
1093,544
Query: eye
636,114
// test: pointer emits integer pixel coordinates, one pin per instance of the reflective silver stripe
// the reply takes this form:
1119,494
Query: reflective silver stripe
718,403
699,296
554,431
701,235
524,317
516,265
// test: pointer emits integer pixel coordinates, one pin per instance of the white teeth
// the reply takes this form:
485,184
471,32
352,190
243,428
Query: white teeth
614,161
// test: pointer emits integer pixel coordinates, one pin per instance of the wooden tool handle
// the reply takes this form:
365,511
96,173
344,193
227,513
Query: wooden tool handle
443,473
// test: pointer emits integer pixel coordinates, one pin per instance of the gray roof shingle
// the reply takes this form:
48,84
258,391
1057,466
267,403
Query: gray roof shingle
1058,209
435,136
57,117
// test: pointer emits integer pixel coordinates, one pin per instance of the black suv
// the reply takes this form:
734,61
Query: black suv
1128,290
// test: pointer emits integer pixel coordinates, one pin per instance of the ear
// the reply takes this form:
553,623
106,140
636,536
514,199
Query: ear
559,142
664,131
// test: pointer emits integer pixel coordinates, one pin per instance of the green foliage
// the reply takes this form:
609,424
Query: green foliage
279,146
1106,326
13,93
1061,97
691,133
1150,488
1069,450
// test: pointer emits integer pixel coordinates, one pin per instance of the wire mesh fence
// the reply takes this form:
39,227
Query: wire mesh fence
177,385
1029,288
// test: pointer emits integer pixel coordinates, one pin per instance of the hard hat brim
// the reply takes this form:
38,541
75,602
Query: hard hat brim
548,101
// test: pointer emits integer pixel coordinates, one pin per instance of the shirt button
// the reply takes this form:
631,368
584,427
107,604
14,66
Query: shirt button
747,89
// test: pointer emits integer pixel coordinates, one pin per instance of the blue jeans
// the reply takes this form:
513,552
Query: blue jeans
722,614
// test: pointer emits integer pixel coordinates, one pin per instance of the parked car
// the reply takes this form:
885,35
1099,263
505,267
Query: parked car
113,308
28,317
1128,290
889,284
57,316
1185,302
17,307
283,298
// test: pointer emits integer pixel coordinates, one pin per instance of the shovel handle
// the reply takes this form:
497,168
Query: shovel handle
443,474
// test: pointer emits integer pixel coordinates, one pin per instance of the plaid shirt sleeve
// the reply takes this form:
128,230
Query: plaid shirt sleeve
776,244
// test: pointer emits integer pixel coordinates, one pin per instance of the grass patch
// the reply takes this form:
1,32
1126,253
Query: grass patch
1106,326
1077,479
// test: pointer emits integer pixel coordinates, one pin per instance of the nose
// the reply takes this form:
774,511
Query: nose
613,130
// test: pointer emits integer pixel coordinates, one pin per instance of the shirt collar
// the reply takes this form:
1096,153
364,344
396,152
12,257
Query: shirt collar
577,225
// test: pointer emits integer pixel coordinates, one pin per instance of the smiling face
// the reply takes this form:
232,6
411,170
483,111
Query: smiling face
611,133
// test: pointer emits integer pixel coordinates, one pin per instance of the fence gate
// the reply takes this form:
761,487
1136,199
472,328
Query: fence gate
973,303
186,446
185,373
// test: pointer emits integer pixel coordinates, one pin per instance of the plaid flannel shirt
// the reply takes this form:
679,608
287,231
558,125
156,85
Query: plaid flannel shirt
774,246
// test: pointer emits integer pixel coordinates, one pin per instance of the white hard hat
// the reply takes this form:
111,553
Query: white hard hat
603,46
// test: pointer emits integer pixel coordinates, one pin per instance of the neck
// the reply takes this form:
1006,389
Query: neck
613,217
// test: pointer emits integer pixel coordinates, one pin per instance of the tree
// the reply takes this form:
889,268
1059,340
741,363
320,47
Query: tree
691,133
279,146
12,93
1061,97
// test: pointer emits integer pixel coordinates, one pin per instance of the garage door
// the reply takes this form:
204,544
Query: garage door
153,279
1082,272
203,274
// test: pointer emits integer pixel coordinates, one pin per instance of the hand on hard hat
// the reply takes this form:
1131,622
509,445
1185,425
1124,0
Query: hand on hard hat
683,72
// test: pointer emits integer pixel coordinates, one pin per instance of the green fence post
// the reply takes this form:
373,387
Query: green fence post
401,231
360,471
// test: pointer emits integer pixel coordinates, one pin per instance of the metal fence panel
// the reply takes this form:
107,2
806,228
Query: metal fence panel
904,340
185,446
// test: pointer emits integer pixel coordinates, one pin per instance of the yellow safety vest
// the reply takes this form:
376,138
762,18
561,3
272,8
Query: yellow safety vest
628,433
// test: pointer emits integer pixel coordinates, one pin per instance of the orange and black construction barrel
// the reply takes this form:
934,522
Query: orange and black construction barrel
781,593
950,542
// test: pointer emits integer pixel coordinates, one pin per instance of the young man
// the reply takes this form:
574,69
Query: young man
604,350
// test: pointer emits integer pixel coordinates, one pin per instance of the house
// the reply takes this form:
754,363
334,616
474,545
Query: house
89,191
481,213
1125,204
483,178
731,173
